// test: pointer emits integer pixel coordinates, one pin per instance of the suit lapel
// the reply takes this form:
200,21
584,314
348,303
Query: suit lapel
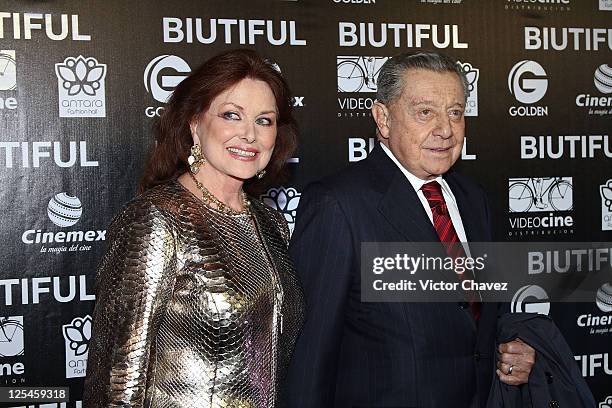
402,208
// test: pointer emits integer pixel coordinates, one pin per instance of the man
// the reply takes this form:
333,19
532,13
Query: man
357,354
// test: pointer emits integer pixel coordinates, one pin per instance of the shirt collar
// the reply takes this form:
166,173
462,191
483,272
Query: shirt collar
416,182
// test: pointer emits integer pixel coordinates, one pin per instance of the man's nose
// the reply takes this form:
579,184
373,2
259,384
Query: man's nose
443,127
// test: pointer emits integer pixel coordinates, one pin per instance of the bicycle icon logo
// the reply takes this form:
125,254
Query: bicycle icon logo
540,194
11,336
358,73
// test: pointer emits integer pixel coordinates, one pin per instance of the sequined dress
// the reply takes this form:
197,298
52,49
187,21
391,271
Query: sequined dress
194,308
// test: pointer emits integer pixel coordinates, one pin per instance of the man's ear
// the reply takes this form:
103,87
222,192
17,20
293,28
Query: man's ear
381,117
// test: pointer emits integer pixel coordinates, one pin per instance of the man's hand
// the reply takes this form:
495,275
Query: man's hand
515,361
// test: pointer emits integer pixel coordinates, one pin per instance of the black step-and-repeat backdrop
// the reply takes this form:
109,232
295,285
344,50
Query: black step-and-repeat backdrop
81,84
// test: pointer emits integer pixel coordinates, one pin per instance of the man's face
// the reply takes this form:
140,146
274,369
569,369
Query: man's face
424,127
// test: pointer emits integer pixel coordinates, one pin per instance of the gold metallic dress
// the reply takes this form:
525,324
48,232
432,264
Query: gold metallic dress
194,308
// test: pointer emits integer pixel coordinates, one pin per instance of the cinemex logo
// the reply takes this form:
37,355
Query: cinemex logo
357,74
593,365
599,105
359,148
472,74
598,324
81,87
538,5
399,35
64,210
530,299
605,191
11,348
605,5
548,195
56,28
35,154
230,31
8,79
603,299
528,84
161,76
27,291
76,339
286,201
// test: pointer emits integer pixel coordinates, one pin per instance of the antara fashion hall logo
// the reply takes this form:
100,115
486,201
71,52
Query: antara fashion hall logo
81,87
471,74
285,200
77,334
8,80
64,210
12,346
605,192
357,75
598,101
540,206
527,83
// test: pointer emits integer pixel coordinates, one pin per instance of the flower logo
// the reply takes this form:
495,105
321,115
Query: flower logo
606,194
607,403
286,201
471,74
78,333
80,74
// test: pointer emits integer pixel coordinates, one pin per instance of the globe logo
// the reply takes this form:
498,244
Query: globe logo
604,298
64,210
603,79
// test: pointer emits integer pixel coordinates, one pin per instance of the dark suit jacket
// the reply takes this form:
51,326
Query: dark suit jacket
354,354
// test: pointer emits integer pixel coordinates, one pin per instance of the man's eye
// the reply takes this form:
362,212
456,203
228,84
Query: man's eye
231,116
425,112
456,113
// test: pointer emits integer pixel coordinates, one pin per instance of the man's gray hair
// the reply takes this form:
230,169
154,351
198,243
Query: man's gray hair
391,77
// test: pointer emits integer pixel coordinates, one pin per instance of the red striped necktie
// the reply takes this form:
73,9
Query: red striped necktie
448,236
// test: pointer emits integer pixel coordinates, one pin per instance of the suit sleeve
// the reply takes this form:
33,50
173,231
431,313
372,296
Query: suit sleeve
133,286
322,250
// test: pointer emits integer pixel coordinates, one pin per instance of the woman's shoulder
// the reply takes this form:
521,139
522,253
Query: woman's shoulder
159,203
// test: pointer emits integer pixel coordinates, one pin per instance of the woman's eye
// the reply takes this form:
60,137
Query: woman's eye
231,116
265,121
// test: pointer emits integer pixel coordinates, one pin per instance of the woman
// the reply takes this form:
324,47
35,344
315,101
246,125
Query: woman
197,303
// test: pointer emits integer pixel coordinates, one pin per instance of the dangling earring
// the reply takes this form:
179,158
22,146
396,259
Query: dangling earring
260,174
196,159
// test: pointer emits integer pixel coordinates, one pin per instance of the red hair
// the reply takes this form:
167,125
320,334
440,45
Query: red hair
194,94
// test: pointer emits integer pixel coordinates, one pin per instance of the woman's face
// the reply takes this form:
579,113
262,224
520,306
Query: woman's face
238,131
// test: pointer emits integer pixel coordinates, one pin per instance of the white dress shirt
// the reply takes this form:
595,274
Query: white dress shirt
449,197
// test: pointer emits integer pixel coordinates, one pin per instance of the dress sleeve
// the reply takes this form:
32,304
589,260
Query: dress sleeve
134,284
